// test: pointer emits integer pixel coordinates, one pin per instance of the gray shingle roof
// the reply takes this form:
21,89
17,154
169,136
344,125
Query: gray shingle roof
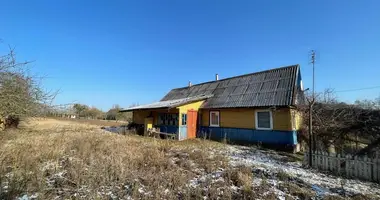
275,87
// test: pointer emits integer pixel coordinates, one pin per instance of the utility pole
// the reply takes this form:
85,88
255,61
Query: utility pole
311,103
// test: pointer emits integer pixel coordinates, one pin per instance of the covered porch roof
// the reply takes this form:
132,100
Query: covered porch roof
168,104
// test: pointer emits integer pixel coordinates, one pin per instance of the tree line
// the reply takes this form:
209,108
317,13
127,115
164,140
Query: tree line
84,111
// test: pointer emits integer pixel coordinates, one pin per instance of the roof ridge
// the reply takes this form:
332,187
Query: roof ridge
259,72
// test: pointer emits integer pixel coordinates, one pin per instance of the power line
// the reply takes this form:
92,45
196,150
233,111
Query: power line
358,89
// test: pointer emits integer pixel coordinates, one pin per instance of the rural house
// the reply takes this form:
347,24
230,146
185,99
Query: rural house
259,107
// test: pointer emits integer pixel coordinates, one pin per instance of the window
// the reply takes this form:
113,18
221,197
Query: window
168,119
184,119
214,118
264,120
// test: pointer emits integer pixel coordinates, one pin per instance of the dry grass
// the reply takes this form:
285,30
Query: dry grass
241,176
69,160
96,122
78,161
295,190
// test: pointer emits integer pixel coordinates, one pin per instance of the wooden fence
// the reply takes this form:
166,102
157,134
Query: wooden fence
364,167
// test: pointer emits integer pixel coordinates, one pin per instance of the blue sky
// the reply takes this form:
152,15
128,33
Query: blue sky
106,52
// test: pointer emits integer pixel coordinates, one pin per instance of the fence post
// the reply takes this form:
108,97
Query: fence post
375,168
361,167
338,165
367,168
316,159
321,159
306,158
347,162
332,160
357,166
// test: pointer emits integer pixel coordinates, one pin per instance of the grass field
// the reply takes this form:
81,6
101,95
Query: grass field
64,159
96,122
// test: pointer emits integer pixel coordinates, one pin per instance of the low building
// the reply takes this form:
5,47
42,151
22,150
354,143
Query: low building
259,107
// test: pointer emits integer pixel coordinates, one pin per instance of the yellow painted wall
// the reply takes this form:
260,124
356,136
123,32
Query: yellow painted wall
184,108
245,118
232,118
282,119
140,115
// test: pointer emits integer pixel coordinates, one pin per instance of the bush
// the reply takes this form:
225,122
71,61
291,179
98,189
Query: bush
12,121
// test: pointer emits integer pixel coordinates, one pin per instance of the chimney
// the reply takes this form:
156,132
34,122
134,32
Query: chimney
216,77
190,84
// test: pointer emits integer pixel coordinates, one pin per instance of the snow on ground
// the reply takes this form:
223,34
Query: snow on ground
271,162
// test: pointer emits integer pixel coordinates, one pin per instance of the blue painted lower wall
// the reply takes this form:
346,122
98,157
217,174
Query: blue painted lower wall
182,132
249,135
168,129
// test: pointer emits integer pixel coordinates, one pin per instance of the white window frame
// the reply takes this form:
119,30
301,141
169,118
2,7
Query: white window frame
218,114
257,120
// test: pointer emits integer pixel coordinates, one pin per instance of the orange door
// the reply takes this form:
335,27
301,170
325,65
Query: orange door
191,123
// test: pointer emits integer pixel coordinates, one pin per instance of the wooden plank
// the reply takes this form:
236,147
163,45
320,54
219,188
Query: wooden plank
356,166
338,165
347,163
375,169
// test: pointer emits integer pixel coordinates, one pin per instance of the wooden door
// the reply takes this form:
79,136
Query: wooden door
191,123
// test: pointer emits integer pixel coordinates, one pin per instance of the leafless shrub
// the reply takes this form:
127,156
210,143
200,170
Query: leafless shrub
295,190
21,94
240,176
337,125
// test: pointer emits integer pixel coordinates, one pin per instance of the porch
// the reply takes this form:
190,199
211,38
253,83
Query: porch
176,118
171,123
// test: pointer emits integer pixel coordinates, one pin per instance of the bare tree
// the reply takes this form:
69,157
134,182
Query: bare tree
21,94
340,126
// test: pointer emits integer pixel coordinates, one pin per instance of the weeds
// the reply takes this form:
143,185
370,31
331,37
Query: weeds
93,163
282,175
295,190
83,162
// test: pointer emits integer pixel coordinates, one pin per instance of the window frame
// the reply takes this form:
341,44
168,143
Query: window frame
210,120
257,120
182,119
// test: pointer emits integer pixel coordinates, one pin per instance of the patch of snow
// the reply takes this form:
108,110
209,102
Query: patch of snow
202,178
111,195
274,163
166,191
141,190
26,197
